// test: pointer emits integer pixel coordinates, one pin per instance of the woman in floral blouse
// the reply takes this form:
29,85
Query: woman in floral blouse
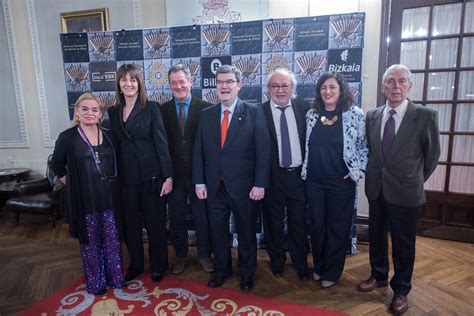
335,160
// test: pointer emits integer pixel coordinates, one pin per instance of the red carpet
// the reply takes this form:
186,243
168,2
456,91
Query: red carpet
169,297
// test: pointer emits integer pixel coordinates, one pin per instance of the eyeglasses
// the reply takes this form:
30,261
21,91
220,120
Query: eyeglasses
226,82
283,87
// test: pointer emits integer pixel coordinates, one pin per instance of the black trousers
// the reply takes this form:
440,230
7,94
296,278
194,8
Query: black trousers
245,215
143,206
177,206
401,221
331,204
287,190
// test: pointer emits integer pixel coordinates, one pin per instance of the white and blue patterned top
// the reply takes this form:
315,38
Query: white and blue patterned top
355,151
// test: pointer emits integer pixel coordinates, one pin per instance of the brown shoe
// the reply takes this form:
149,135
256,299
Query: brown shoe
371,284
399,304
207,265
179,266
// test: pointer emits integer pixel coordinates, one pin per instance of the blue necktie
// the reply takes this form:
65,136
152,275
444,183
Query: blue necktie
388,133
285,139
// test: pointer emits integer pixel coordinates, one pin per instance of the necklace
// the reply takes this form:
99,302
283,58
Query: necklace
327,121
95,154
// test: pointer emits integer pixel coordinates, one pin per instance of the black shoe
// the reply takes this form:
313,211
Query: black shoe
156,277
216,281
100,292
246,283
131,275
303,276
278,272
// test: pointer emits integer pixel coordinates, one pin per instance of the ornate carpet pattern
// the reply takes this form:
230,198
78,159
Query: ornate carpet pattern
171,296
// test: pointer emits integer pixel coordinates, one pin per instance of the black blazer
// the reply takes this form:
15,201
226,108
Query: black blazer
143,147
244,161
300,107
181,148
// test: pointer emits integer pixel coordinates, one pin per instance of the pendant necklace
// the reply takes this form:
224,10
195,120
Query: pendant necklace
328,122
95,153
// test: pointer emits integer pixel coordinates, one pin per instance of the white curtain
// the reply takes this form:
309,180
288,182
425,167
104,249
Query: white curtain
444,115
466,85
413,54
464,118
468,20
416,92
415,22
436,181
440,85
461,179
467,59
443,25
443,53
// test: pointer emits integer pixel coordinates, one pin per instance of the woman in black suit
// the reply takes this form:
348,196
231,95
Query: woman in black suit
145,171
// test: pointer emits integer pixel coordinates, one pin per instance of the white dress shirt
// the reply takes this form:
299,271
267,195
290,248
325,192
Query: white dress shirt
230,108
296,158
398,117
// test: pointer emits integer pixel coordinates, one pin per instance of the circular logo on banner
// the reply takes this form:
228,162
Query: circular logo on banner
275,62
157,74
215,64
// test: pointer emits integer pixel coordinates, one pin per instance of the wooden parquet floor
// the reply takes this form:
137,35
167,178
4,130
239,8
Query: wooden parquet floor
36,260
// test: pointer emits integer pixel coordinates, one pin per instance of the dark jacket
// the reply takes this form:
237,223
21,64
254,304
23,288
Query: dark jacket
143,146
243,162
411,159
181,148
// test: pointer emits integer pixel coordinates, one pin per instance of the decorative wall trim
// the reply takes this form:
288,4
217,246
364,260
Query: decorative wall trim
48,142
137,13
20,103
216,11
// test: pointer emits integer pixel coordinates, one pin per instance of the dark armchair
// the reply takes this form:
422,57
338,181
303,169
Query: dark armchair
42,197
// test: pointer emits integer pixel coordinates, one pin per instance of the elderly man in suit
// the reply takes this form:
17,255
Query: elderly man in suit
404,149
231,169
286,124
181,118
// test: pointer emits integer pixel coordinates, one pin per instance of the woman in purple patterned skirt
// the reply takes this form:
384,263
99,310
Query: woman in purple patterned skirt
84,159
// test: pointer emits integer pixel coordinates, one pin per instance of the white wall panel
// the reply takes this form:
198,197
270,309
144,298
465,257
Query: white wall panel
12,112
45,28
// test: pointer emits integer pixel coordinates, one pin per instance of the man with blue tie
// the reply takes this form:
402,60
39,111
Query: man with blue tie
231,166
404,148
181,118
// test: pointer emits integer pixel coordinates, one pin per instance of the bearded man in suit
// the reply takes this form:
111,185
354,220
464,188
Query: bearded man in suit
231,169
404,149
181,118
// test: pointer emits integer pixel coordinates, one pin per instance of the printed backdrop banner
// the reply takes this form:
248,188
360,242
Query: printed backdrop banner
309,46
